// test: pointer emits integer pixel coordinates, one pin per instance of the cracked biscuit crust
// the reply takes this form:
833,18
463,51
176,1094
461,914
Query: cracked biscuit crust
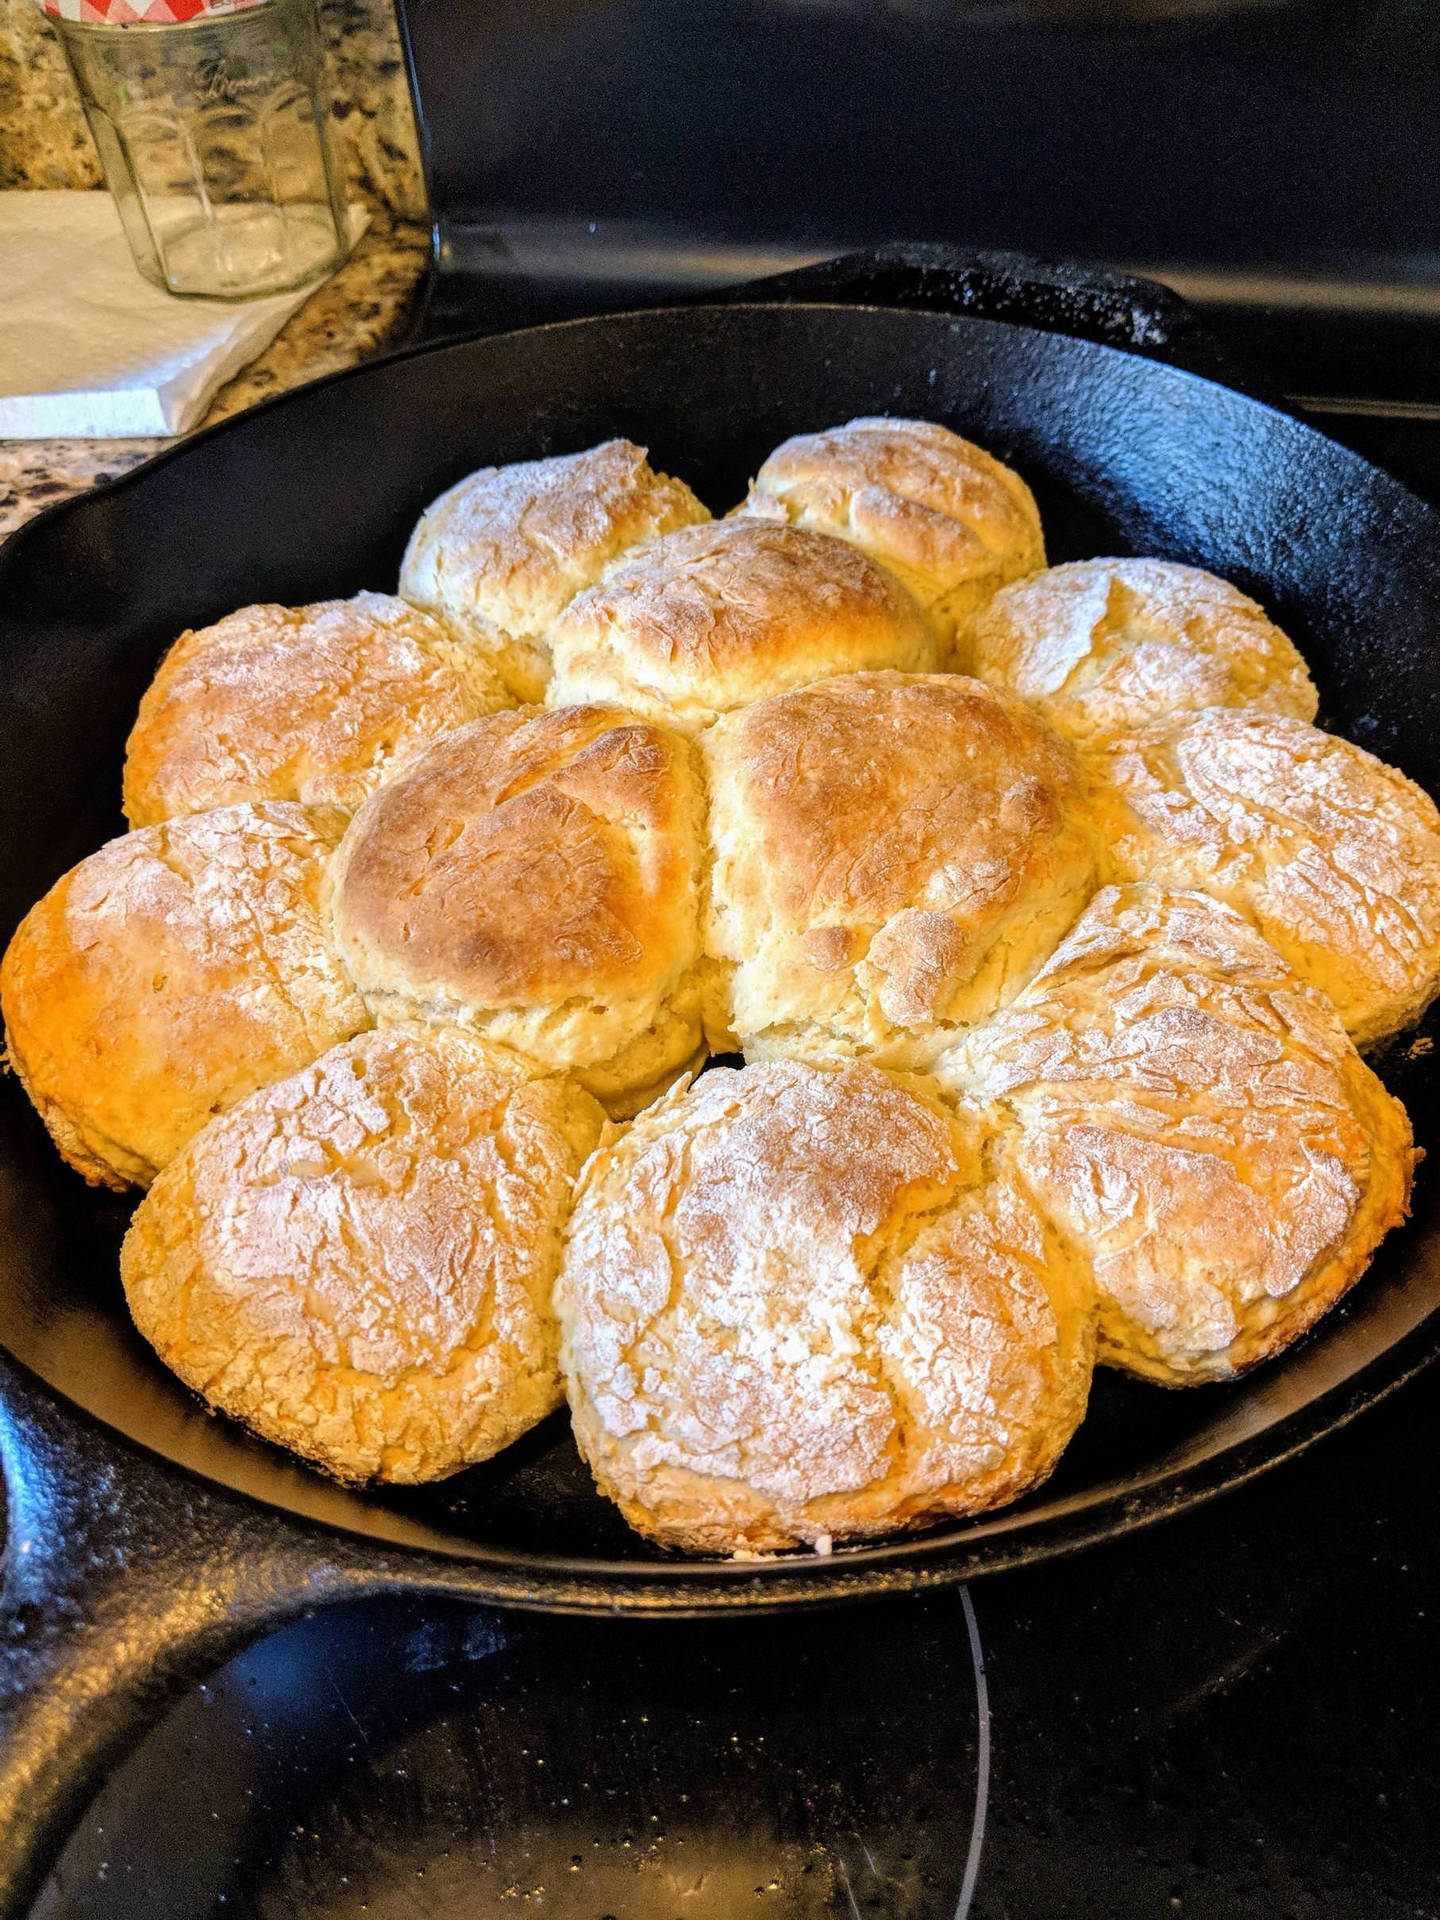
505,550
534,877
1333,855
169,974
1196,1122
894,856
317,704
1104,646
800,1302
943,515
713,617
357,1261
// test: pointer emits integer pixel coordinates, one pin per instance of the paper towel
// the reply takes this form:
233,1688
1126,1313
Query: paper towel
89,349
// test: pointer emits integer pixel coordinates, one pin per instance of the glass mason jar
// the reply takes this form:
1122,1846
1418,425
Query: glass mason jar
211,126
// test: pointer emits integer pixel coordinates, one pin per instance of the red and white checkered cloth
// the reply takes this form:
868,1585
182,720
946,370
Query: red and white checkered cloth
151,13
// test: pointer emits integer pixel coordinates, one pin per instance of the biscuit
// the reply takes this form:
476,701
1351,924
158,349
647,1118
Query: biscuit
945,516
710,618
1194,1120
799,1304
1105,646
503,552
534,877
894,856
317,704
171,973
1333,855
357,1261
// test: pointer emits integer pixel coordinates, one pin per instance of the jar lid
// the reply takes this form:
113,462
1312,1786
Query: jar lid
150,13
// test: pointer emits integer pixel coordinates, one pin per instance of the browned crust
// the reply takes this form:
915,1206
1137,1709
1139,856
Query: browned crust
314,704
800,1303
1332,854
1104,646
357,1261
539,865
710,618
947,518
169,974
502,553
1195,1120
894,855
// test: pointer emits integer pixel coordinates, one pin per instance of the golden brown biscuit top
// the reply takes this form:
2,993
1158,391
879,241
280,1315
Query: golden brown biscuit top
805,1286
1102,646
175,909
527,858
768,1194
936,506
175,969
924,809
1336,854
1177,988
298,703
709,617
386,1204
1197,1118
358,1259
862,782
511,545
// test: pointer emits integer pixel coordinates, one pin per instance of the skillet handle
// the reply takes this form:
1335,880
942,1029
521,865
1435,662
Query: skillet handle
124,1580
1114,309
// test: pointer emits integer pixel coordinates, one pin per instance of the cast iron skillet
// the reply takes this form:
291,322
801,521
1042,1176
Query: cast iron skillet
148,1539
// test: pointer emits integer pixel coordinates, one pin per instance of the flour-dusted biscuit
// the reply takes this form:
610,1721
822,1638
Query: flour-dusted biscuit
1333,855
171,973
316,704
1104,646
893,856
534,877
710,618
1196,1122
357,1262
946,517
801,1303
503,552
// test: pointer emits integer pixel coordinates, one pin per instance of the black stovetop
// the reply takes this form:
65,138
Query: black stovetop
1235,1714
1232,1715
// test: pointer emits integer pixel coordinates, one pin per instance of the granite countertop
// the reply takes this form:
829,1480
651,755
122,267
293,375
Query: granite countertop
363,309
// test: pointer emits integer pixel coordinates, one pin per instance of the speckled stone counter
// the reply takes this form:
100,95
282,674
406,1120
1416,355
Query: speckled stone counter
44,141
364,308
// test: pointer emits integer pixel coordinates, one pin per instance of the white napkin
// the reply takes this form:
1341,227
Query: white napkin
89,349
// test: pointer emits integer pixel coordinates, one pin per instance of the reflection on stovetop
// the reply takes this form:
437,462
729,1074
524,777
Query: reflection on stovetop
1230,1715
